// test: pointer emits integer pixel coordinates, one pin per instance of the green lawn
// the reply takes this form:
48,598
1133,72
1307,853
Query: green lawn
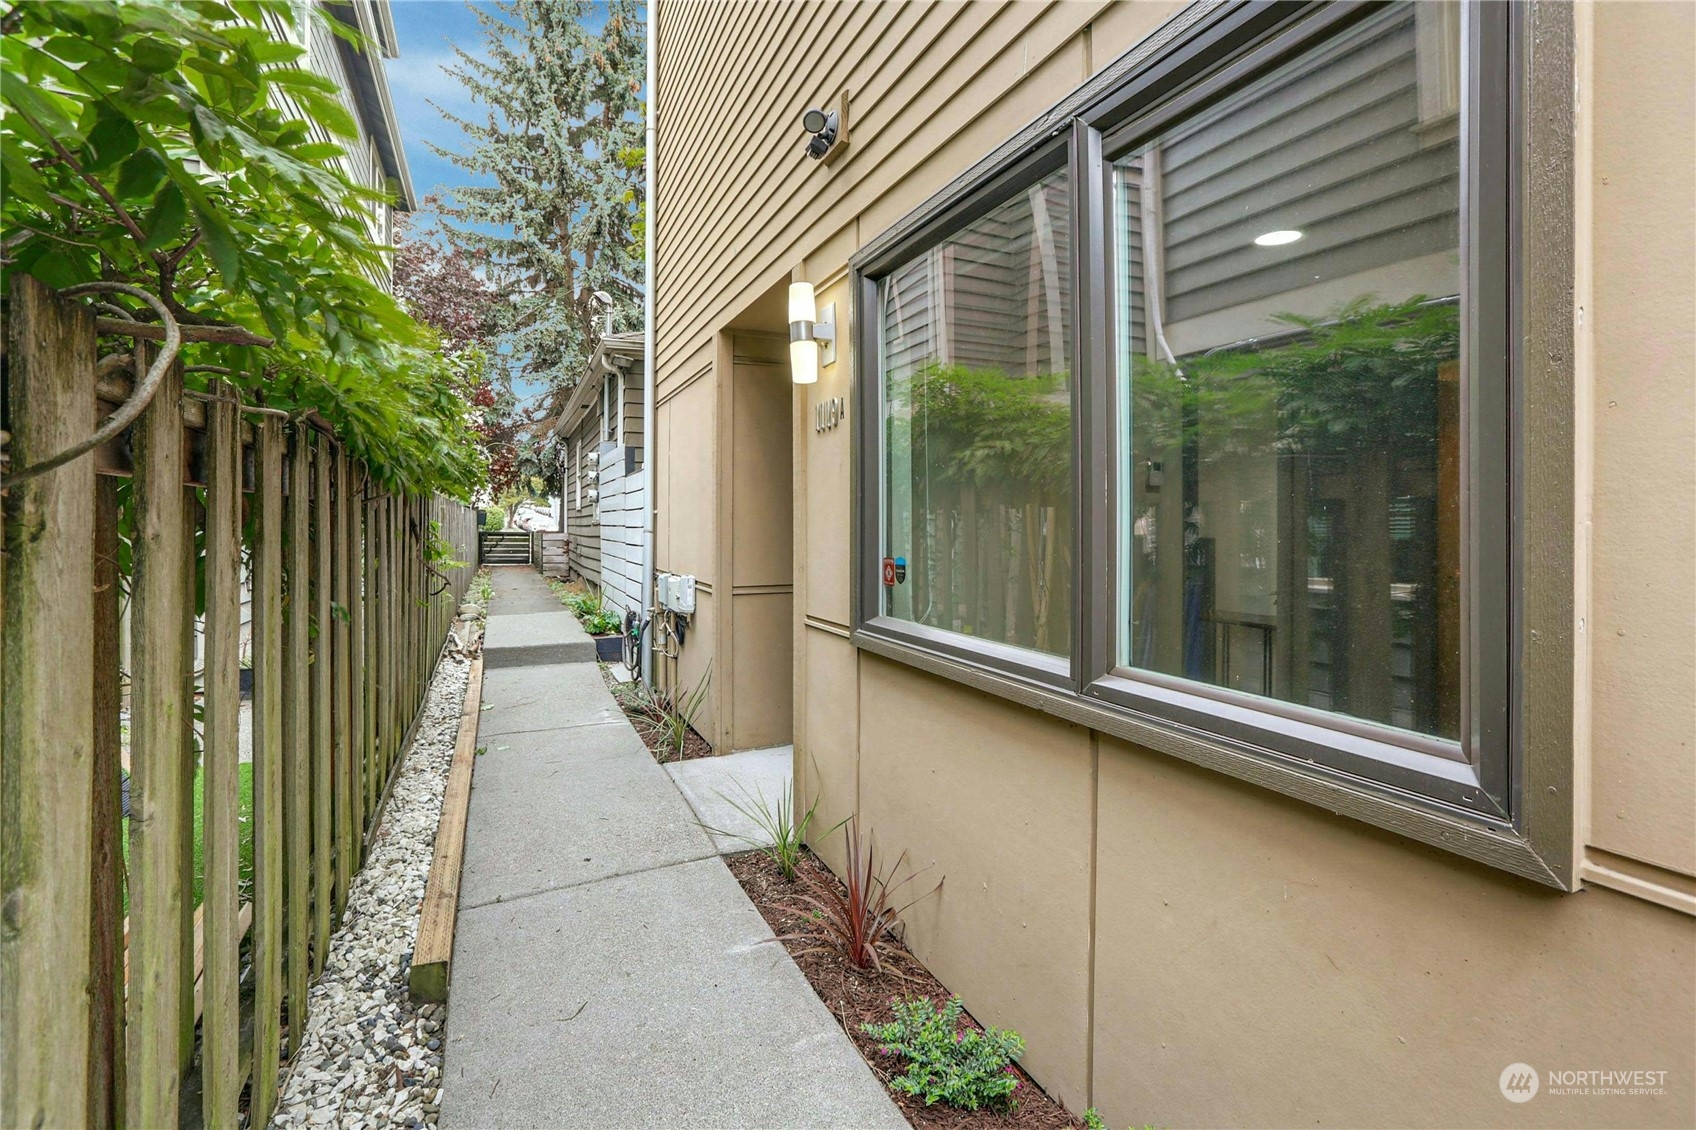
245,814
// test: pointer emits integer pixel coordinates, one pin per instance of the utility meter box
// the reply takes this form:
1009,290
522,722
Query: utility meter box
676,592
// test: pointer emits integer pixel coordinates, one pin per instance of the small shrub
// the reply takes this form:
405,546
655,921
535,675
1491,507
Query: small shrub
970,1069
784,836
681,712
856,918
1094,1121
664,712
602,622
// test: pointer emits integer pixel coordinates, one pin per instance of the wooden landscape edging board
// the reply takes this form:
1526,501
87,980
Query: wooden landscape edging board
432,955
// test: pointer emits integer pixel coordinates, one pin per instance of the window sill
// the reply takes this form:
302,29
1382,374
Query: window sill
1480,837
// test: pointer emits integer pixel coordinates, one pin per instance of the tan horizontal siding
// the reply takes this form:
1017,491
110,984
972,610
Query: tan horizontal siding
944,86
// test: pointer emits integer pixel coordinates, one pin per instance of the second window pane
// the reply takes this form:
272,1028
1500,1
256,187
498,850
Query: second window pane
1287,279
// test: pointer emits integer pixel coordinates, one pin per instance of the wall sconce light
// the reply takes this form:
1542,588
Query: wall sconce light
812,337
823,125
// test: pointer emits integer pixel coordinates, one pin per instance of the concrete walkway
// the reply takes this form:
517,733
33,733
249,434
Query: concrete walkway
608,970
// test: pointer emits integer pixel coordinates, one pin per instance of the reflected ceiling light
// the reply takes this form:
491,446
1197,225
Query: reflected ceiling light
1277,238
809,334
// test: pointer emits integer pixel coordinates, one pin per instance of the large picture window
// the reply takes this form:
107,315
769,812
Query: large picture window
1191,414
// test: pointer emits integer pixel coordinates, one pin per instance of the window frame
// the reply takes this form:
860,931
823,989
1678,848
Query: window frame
1510,803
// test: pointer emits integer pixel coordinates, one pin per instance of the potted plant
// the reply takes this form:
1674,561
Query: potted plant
246,674
603,623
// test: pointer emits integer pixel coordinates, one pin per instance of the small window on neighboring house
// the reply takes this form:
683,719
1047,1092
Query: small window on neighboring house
576,474
589,468
612,405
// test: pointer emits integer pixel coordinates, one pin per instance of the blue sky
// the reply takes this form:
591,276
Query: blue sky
428,32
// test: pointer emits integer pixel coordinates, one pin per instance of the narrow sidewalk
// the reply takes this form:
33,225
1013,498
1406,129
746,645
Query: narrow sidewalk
608,970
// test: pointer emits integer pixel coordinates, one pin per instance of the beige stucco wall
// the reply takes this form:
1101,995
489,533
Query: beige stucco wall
1177,947
1643,512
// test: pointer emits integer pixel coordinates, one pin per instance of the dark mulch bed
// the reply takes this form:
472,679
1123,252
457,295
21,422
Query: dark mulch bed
694,745
859,997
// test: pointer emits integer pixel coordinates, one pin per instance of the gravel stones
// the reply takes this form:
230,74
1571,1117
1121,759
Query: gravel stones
368,1057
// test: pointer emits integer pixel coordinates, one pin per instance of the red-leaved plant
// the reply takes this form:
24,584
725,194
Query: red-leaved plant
857,916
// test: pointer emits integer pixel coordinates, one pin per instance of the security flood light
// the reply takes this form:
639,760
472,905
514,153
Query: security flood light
823,125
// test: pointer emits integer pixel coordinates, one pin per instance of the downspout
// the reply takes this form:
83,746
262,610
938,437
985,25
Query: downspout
648,381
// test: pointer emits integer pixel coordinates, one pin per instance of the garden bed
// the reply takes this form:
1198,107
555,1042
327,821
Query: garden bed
642,715
856,997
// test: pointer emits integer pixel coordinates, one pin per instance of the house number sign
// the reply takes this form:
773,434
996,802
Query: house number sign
829,413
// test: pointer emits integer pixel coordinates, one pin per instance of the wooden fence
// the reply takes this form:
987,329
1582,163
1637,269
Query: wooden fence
105,1017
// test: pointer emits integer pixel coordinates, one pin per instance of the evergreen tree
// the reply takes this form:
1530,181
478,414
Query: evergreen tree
562,81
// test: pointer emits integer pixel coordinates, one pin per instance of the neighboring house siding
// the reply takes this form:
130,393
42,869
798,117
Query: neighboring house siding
604,498
582,507
362,162
1334,151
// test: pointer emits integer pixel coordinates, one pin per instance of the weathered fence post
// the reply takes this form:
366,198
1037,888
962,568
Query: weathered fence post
161,759
46,775
268,729
106,920
323,770
297,714
342,670
221,757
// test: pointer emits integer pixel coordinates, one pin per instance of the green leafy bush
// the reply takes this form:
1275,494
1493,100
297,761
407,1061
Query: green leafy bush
183,150
602,622
971,1068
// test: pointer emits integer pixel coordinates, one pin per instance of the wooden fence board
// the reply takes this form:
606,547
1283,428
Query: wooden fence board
185,852
391,649
268,707
221,757
161,760
359,579
370,626
46,775
342,673
297,748
106,921
323,769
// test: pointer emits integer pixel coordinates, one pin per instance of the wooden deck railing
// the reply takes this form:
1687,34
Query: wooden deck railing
103,1018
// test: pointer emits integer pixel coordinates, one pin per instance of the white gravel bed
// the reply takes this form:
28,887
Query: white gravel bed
369,1058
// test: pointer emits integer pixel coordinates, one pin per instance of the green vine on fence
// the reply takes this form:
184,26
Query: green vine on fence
180,149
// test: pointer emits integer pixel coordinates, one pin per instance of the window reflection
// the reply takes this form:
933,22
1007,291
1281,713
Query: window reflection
1288,273
977,427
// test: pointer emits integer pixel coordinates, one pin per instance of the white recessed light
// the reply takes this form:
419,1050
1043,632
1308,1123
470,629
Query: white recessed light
1277,238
